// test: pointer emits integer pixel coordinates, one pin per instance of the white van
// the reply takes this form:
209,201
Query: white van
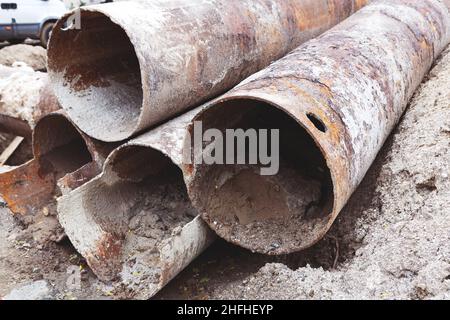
22,19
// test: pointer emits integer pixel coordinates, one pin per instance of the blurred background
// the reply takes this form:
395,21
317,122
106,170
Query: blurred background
32,21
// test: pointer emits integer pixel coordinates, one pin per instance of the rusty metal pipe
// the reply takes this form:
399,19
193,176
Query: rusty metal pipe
62,154
335,100
134,64
25,97
134,223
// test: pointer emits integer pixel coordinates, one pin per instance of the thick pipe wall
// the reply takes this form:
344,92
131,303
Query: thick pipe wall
131,65
345,91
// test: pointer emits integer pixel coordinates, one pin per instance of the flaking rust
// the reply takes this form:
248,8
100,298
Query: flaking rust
129,66
134,223
61,154
336,99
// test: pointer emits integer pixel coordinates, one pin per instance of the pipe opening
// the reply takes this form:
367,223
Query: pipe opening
276,214
59,147
144,202
96,76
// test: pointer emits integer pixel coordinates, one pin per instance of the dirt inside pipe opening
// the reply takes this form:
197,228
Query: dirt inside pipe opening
96,76
145,206
60,147
277,214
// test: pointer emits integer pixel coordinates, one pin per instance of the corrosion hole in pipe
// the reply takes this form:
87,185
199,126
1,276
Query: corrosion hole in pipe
317,122
96,75
144,204
267,214
60,147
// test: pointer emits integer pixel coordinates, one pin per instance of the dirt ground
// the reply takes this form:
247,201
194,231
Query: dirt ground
390,242
24,260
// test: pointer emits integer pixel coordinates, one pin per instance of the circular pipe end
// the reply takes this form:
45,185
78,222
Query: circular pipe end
96,75
270,214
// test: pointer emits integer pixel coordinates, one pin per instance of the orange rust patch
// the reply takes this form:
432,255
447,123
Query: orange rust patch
105,259
27,188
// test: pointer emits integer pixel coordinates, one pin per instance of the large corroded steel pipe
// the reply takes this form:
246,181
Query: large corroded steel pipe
335,100
134,223
64,159
134,64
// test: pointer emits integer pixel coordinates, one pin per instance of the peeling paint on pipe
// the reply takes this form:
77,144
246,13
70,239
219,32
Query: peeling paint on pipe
135,64
335,99
134,223
61,154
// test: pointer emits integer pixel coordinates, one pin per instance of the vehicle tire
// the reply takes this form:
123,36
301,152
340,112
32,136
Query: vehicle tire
46,32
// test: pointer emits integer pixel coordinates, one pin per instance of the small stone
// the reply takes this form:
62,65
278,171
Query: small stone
38,290
32,56
177,231
275,245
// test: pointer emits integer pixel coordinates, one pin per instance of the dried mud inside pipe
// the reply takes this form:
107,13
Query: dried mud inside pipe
268,214
145,207
100,65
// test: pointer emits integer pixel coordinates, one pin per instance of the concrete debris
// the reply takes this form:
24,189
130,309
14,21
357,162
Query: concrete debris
33,56
38,290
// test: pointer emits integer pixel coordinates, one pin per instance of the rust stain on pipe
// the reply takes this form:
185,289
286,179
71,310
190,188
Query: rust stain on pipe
61,154
335,100
134,223
135,64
